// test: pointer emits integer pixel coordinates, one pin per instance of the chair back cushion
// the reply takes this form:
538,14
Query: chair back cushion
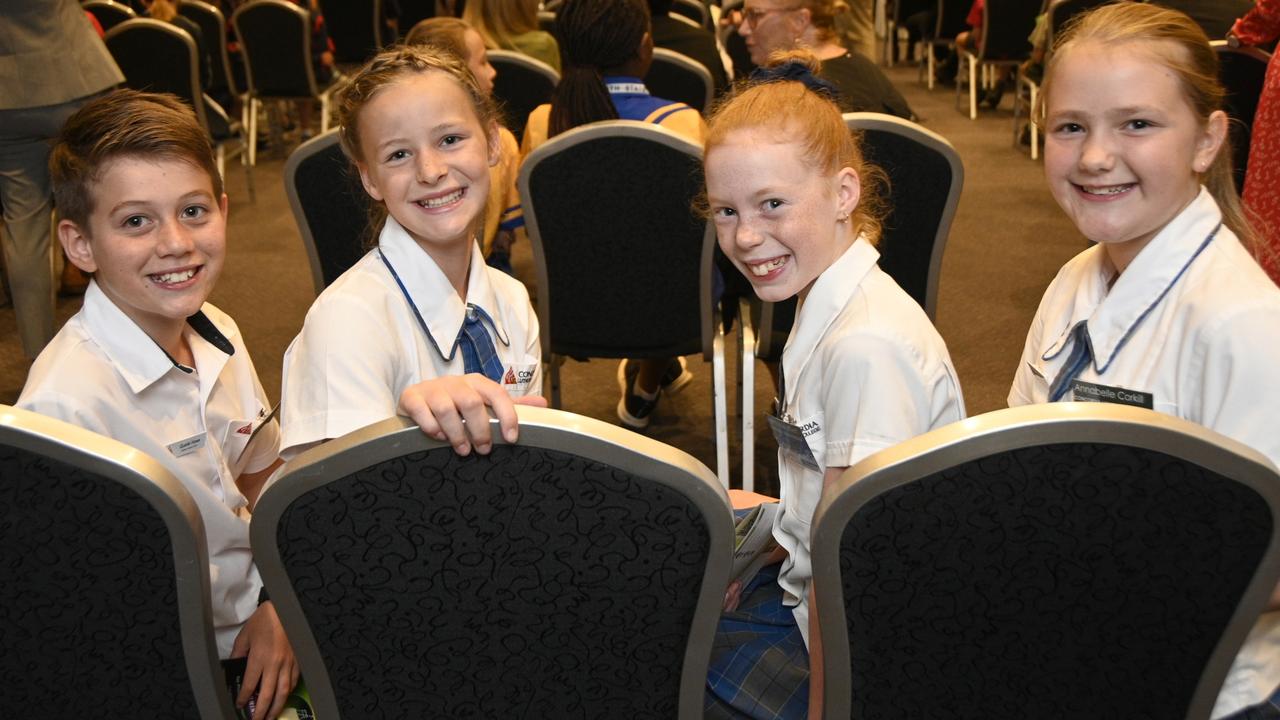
952,15
1055,581
519,87
155,57
109,14
1241,72
275,38
531,583
679,79
330,206
353,27
621,245
213,27
89,619
1008,24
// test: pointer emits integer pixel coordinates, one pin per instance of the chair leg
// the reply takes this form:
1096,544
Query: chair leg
1035,130
973,89
248,172
747,393
719,389
554,373
221,159
253,131
324,113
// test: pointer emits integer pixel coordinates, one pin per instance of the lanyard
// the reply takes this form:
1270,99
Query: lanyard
472,311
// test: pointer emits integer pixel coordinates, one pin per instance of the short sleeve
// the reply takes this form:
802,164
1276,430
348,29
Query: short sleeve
535,130
1239,396
265,444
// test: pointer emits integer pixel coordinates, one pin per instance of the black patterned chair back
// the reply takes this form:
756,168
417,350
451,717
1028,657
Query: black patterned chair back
624,264
355,27
213,26
522,84
330,206
1069,560
158,57
577,573
1241,71
1006,25
413,12
926,177
675,76
104,581
108,13
275,39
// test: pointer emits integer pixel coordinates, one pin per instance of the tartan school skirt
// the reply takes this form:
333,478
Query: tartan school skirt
759,665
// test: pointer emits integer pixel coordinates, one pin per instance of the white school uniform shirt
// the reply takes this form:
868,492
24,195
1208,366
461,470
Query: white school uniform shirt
864,369
1194,321
103,373
362,344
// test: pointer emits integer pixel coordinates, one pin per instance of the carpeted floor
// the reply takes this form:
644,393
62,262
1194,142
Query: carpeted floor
1008,240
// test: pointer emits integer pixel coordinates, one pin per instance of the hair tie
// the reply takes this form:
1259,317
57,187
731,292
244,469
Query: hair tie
797,72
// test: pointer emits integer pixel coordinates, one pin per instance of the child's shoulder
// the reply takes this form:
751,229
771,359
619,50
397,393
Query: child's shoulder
882,322
363,286
72,376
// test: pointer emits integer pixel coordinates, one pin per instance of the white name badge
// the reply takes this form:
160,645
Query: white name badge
187,446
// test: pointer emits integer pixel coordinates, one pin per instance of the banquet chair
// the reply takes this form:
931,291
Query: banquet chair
330,206
355,27
160,57
950,23
213,25
104,581
926,177
413,12
627,274
1241,71
1006,24
275,38
676,76
108,13
695,10
578,572
522,84
1065,560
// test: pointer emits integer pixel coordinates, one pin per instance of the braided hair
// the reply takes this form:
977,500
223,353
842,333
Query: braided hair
595,36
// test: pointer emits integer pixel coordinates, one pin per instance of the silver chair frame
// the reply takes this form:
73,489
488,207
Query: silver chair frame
684,62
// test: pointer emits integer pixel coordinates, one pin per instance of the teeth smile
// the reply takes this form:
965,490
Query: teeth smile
765,268
442,200
174,277
1107,190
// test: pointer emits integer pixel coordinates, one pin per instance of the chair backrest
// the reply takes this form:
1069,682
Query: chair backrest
577,573
158,57
925,180
676,76
355,27
1241,71
109,14
275,39
413,12
104,580
547,23
1064,560
694,10
1006,25
329,204
623,264
951,19
213,26
1062,11
522,84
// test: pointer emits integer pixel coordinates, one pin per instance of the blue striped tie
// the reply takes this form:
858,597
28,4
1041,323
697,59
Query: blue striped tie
1080,357
478,353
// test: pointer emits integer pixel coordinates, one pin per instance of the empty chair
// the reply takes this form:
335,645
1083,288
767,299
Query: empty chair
104,581
926,177
1066,560
1241,71
627,273
1006,24
330,206
275,38
695,10
521,85
108,13
355,27
213,26
679,77
576,573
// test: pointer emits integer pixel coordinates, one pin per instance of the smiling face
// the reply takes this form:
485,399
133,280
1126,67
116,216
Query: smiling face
1123,148
426,157
155,240
777,216
769,25
478,61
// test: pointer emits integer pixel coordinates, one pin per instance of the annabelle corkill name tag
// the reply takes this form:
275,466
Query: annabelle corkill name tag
1082,391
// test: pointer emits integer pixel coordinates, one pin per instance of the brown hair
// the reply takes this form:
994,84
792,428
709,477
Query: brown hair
443,32
812,119
1177,42
387,68
498,21
124,123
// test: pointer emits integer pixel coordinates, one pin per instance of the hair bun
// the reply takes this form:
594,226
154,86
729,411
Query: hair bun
796,66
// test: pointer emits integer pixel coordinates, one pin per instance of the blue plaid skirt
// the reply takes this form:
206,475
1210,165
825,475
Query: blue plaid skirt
759,665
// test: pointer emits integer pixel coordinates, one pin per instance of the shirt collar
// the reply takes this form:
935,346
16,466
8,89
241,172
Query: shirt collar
625,85
1112,315
828,296
138,358
432,295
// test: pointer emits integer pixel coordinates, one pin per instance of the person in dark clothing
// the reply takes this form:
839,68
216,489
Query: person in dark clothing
681,37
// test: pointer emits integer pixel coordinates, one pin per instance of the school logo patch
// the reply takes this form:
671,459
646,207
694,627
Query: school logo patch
519,375
510,378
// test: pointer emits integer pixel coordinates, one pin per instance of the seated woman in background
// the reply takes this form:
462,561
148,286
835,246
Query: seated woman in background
512,25
772,25
796,209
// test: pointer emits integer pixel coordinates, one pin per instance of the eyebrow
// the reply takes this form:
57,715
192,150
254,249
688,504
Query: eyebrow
204,194
438,127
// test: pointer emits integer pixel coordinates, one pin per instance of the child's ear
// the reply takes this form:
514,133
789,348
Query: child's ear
495,144
1211,141
75,243
848,190
369,187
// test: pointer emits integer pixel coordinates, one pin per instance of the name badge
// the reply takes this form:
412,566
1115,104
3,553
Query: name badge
188,446
791,440
1082,391
518,376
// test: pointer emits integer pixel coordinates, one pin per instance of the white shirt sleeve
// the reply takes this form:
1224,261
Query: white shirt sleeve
1239,394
